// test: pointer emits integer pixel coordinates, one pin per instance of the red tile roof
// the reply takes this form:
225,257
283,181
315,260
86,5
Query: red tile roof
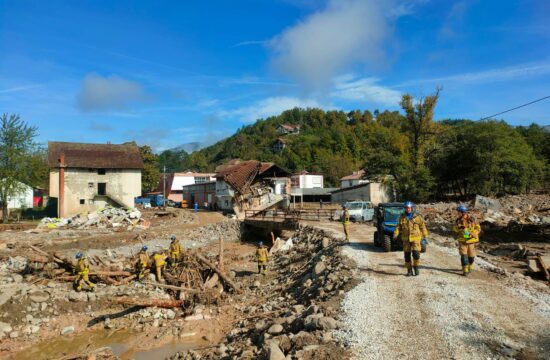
240,175
95,156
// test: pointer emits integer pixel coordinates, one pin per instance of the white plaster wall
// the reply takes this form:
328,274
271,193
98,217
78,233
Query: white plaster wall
121,185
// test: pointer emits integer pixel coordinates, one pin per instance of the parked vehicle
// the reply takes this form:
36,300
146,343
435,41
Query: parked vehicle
153,200
387,215
359,211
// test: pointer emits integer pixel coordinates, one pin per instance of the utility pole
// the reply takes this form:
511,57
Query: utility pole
164,187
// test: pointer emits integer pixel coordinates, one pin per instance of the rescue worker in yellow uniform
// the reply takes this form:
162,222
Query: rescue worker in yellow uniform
467,232
345,221
142,263
82,270
263,257
175,251
159,261
413,231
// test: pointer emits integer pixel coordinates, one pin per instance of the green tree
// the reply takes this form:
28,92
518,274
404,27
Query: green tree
173,160
17,147
150,176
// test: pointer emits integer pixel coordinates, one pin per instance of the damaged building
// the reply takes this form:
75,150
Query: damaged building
88,177
251,185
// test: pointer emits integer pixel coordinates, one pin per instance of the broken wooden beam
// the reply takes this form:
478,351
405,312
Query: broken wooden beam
227,280
161,303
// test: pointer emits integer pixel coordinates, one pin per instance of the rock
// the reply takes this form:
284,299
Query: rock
212,281
195,317
319,268
260,325
303,339
92,296
326,337
312,309
222,349
170,314
67,330
325,243
275,329
156,323
14,335
533,265
17,278
39,296
77,296
5,327
275,353
29,317
297,309
257,284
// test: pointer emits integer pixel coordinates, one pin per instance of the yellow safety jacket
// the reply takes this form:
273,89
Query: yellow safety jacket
160,260
345,217
82,267
412,230
467,231
143,260
262,255
175,249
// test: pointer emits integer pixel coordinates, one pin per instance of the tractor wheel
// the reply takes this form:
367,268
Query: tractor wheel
376,238
387,243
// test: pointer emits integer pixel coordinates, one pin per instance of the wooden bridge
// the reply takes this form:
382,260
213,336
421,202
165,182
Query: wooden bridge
285,219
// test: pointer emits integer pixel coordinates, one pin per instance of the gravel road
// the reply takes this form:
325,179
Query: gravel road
440,314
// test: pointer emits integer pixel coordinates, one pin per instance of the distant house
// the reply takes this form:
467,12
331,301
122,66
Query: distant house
251,185
87,177
173,187
307,180
23,198
374,192
279,145
203,194
288,129
357,178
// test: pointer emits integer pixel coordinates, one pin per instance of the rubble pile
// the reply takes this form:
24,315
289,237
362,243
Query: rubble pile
227,229
109,217
291,315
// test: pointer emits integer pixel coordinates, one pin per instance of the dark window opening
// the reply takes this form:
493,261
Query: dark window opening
82,201
101,171
101,188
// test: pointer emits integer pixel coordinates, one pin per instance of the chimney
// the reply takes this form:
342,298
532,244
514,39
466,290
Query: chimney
61,205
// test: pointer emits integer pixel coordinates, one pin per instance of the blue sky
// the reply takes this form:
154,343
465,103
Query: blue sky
165,73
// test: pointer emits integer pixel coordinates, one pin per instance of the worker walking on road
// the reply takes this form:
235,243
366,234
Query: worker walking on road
467,231
159,261
412,229
262,257
142,263
175,251
82,270
345,221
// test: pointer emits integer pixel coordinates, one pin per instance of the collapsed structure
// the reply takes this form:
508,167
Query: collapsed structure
251,185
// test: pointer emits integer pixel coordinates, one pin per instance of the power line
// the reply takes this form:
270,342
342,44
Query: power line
517,107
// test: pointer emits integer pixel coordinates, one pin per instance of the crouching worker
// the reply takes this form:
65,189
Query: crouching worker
467,232
412,229
159,260
142,263
82,270
175,252
262,257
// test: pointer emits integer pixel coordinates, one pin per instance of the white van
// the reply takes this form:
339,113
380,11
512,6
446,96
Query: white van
359,211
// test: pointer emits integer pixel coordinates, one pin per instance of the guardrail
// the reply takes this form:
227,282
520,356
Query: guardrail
291,214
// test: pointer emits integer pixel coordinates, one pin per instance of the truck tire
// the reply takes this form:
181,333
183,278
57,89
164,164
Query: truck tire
387,243
376,238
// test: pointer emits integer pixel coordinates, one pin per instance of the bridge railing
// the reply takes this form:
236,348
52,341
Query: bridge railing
290,214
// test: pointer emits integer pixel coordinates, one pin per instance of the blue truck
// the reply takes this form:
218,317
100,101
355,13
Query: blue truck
150,200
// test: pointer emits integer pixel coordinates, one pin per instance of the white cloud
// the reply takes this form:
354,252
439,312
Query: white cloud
364,90
345,33
268,107
100,93
487,76
19,88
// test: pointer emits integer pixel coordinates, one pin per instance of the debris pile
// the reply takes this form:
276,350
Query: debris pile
109,217
291,315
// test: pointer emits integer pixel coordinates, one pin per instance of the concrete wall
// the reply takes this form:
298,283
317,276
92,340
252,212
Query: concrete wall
308,181
374,192
349,183
224,195
82,184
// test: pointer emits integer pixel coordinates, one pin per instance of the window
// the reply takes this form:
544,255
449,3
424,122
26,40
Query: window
101,171
82,201
91,185
101,188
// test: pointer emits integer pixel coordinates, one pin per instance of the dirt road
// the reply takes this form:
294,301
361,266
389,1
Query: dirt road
439,314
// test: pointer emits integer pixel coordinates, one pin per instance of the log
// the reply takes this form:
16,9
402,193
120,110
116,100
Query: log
38,258
170,287
161,303
227,280
50,256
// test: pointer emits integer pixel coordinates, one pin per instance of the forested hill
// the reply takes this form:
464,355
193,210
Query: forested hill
426,158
